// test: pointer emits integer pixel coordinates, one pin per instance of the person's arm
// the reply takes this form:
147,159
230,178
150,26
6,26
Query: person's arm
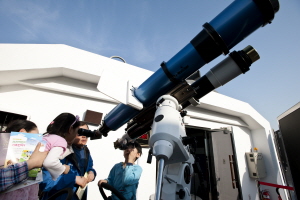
63,181
18,172
37,158
12,175
69,180
131,174
53,164
110,178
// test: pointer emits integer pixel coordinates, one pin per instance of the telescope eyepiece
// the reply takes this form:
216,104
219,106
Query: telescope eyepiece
125,144
88,133
251,53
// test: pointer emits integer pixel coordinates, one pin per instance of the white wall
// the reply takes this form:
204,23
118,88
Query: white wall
48,60
243,143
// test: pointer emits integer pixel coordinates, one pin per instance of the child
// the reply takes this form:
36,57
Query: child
80,163
29,192
124,176
60,135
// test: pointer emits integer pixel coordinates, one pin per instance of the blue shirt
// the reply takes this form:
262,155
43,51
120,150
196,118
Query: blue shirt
76,163
125,180
81,159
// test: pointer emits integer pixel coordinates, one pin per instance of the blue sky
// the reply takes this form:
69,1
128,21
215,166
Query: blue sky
147,32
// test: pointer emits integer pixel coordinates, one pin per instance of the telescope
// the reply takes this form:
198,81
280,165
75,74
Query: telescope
91,134
186,94
236,22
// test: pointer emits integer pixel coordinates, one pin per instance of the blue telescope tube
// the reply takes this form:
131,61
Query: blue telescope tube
232,25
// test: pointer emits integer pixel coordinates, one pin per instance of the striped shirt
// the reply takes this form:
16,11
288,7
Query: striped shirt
12,175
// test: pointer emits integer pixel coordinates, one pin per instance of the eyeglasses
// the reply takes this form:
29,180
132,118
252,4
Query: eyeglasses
76,120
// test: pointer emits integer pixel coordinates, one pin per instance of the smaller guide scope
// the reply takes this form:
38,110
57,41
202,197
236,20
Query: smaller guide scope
94,135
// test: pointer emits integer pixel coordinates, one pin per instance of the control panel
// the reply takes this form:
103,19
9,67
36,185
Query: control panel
256,165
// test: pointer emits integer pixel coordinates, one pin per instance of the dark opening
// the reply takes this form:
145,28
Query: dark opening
7,117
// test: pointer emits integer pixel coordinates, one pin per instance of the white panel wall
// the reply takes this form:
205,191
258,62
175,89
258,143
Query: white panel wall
243,143
263,140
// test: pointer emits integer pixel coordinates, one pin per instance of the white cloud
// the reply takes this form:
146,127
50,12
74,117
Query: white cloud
20,135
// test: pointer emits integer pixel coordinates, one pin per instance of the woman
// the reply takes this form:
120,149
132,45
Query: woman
18,172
